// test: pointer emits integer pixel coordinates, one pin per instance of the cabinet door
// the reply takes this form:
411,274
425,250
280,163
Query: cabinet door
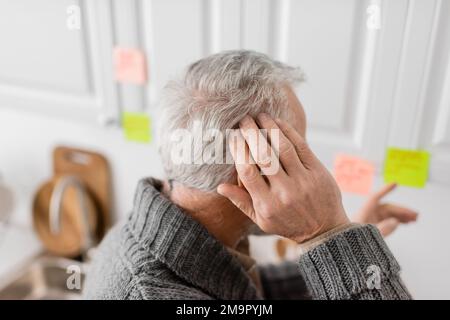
421,104
367,88
349,66
174,35
436,132
331,42
47,67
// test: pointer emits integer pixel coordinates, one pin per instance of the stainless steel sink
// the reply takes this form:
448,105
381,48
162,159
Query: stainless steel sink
45,278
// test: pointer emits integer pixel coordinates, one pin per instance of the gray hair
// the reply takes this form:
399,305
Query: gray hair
217,92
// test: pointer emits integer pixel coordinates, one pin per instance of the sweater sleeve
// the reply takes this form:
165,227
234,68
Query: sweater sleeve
283,282
353,264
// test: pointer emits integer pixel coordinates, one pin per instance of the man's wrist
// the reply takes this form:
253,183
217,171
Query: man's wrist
323,237
338,220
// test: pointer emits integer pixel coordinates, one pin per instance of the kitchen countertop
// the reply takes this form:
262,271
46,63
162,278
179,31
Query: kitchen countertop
18,246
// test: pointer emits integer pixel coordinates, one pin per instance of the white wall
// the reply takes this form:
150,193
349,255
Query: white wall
366,90
26,144
421,248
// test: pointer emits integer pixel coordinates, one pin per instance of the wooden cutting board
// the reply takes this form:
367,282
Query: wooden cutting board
68,242
93,169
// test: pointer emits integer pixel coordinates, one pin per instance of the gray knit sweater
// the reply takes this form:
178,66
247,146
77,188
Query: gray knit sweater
162,253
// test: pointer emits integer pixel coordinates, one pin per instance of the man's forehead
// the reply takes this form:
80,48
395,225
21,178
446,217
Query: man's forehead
298,117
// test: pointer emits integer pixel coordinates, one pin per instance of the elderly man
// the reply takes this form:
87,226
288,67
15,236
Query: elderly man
186,237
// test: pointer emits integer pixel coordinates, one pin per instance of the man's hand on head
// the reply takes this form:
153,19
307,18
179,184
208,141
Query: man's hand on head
300,200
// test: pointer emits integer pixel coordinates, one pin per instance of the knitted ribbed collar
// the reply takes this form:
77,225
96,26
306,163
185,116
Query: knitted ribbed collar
185,246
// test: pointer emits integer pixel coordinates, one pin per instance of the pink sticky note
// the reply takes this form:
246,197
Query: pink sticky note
354,174
130,66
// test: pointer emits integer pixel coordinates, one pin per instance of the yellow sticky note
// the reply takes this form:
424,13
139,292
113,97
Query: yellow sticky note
406,167
136,126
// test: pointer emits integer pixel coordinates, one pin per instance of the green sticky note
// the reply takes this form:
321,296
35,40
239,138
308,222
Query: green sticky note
406,167
136,127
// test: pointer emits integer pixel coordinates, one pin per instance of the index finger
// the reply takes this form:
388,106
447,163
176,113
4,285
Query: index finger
403,214
305,154
283,146
248,172
385,191
260,149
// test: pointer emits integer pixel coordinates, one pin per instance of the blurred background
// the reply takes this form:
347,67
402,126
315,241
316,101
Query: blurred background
378,75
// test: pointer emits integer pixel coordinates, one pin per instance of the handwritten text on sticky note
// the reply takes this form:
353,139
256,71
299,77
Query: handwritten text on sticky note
130,66
406,167
353,174
136,127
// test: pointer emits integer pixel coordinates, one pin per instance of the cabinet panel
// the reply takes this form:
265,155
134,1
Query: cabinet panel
49,68
331,42
324,52
434,132
27,58
175,34
351,69
421,102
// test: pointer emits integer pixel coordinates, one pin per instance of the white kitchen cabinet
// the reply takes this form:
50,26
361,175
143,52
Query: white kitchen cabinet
366,88
48,68
420,116
330,40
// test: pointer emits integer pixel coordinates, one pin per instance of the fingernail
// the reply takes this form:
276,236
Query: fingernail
232,143
263,116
